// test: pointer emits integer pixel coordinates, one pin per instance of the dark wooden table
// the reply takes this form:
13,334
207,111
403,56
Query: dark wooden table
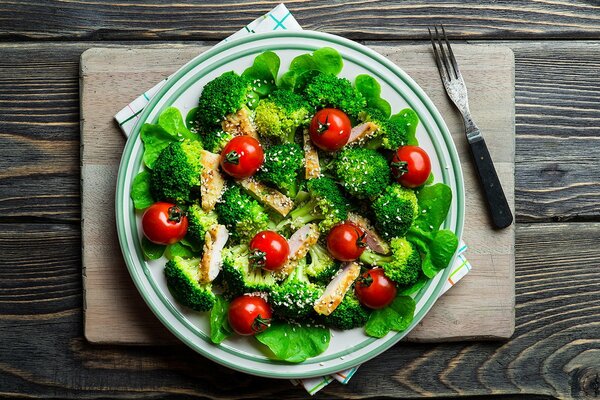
555,351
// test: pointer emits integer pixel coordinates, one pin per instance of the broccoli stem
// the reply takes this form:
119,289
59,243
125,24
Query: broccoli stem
318,254
305,214
374,143
372,258
291,137
298,273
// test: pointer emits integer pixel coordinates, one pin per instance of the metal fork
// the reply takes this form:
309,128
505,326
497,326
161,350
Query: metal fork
457,91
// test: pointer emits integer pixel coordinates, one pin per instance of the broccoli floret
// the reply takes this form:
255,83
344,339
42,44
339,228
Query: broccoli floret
364,173
390,134
241,214
222,96
215,140
326,204
295,297
327,90
182,280
176,172
322,266
240,277
403,266
281,167
395,210
281,114
349,314
199,222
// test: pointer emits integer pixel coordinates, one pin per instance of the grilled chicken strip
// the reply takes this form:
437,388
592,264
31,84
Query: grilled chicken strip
299,243
374,241
269,196
359,132
336,290
212,182
312,166
211,263
239,124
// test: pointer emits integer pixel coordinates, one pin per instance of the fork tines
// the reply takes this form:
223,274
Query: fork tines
446,63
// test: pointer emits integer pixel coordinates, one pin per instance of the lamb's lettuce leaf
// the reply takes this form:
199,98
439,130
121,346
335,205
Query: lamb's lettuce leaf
179,250
140,191
395,317
219,325
263,73
371,90
304,67
410,120
437,247
170,128
152,251
294,343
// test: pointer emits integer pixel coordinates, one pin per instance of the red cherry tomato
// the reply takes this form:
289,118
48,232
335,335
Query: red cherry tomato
164,223
411,166
249,315
242,157
330,129
374,289
269,250
346,242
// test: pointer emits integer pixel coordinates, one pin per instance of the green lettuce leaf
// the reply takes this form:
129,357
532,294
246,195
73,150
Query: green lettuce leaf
434,204
294,343
219,325
395,317
140,191
152,251
263,73
305,66
172,122
170,128
179,250
371,90
410,120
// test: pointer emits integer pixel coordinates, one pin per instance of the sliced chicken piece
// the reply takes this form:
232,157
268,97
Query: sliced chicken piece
211,263
212,182
239,124
374,241
269,196
359,132
311,157
299,243
336,290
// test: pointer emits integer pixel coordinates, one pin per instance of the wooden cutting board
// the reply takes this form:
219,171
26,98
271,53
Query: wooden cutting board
480,306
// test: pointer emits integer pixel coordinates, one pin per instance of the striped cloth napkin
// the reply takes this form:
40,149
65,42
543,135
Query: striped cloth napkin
278,18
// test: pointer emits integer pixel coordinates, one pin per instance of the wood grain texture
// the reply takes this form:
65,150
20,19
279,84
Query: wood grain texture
556,116
359,20
554,352
107,82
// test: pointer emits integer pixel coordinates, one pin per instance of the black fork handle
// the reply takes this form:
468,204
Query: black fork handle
496,200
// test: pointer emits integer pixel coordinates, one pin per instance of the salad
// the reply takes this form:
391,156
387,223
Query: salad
291,205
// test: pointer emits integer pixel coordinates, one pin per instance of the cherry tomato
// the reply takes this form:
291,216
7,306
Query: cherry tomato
346,242
374,289
269,250
164,223
242,157
330,129
411,166
249,315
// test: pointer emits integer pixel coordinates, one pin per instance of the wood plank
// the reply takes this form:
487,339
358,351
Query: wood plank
554,352
457,316
556,118
374,19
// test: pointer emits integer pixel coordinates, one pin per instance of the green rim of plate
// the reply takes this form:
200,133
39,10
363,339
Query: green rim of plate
121,207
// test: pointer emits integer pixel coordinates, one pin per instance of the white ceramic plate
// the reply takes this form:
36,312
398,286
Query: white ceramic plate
347,348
